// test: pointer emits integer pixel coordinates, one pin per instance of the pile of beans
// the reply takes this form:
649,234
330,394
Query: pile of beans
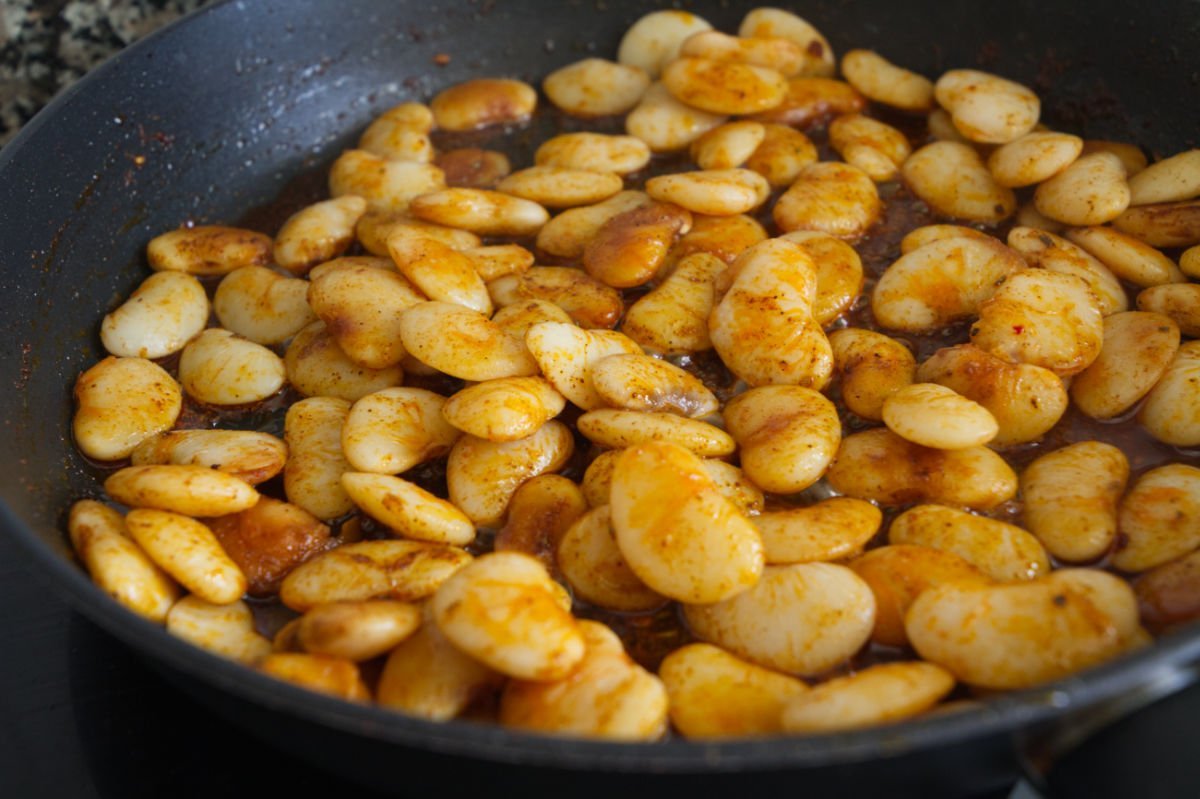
691,427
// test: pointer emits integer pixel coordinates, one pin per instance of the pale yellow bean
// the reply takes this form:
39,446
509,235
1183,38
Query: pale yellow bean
566,353
568,233
769,22
776,52
784,152
672,319
401,133
376,227
504,410
350,262
220,368
166,311
595,87
830,611
832,529
317,367
1159,519
716,192
588,301
312,476
728,146
393,430
118,565
561,187
809,100
873,146
665,124
829,197
321,673
357,631
482,102
1071,498
480,211
462,343
884,82
261,305
872,367
408,509
440,273
1166,181
1029,216
593,565
1138,349
1180,302
1189,262
927,234
1091,191
600,152
225,629
618,429
119,403
386,184
516,319
183,489
208,250
643,383
188,551
729,480
1128,258
933,415
1002,551
1048,251
318,233
499,260
252,456
1133,158
881,694
1034,157
361,307
987,108
953,180
787,435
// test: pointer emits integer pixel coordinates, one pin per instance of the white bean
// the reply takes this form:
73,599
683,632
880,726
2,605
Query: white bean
595,87
1071,498
262,305
188,551
120,402
165,312
221,368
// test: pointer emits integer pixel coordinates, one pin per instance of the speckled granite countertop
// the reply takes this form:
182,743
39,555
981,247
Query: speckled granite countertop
45,45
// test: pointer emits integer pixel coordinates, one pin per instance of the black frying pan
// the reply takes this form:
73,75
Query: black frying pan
214,116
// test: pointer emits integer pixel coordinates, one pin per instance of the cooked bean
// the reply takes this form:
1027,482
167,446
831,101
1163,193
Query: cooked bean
440,273
986,108
1166,225
655,39
357,631
188,490
725,237
1180,302
386,184
401,133
318,233
1169,595
678,534
593,565
1017,636
256,303
787,435
595,87
462,343
1029,216
208,250
1002,551
590,303
672,319
567,234
829,613
539,514
505,409
480,211
884,82
165,312
560,187
566,353
880,466
251,456
516,319
499,260
188,551
642,383
321,673
1034,157
1091,191
483,101
473,168
729,481
220,368
872,367
828,197
1169,180
406,571
784,152
393,430
269,539
936,416
1138,348
811,99
361,307
665,124
728,146
223,629
769,22
317,367
408,509
1048,251
630,247
1159,519
596,151
119,403
775,52
879,694
312,476
376,227
618,429
1071,498
874,147
1132,157
1171,412
717,192
1189,262
952,178
1128,258
927,234
118,565
832,529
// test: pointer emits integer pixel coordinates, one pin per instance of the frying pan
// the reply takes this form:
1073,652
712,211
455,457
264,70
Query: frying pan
217,114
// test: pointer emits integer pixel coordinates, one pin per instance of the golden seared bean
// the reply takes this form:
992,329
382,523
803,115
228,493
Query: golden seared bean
771,22
832,529
725,237
480,211
393,430
1091,191
485,101
406,571
1166,181
787,435
252,456
643,383
1133,158
898,573
656,38
595,569
1071,497
318,233
776,52
717,192
607,696
566,353
666,124
676,530
119,403
376,227
516,319
116,564
312,476
829,614
1138,349
1044,318
1048,251
499,260
503,610
884,82
1166,225
812,99
185,489
729,480
539,514
873,146
630,247
927,234
880,466
462,343
357,631
936,416
1021,635
386,184
317,367
953,180
1128,258
401,133
1180,302
270,539
672,319
879,694
872,368
188,551
1002,551
987,108
561,187
504,410
482,475
361,307
716,695
1025,400
618,429
226,629
473,168
321,673
165,312
728,146
595,87
1159,519
568,233
941,282
221,368
440,273
264,306
590,303
600,152
763,327
839,272
428,677
784,152
1189,262
1034,157
828,197
408,509
1169,594
208,250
